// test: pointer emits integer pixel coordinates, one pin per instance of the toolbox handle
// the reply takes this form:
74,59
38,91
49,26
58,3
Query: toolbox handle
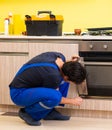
41,12
52,16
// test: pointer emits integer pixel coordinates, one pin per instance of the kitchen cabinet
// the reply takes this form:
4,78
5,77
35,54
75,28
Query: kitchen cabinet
12,56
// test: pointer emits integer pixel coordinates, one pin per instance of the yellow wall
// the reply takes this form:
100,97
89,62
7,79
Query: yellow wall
77,13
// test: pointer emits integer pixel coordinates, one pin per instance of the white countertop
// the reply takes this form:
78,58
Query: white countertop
86,37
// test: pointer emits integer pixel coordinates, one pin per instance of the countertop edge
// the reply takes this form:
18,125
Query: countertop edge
56,37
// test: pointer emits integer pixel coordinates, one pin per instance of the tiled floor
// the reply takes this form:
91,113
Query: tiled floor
75,123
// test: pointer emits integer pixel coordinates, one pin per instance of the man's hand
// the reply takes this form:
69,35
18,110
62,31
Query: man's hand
77,101
73,101
75,58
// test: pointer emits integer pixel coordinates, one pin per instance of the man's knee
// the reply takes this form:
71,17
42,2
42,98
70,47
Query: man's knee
55,100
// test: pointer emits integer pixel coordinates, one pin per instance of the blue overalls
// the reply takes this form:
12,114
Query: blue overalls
38,101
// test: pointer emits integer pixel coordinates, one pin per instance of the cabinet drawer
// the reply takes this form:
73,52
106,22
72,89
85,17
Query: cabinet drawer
13,47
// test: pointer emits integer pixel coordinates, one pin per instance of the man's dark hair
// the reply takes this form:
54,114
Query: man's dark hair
75,71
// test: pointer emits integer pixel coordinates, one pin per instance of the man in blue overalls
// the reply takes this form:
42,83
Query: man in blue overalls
42,84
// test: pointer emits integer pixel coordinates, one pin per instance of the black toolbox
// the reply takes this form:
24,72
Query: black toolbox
45,23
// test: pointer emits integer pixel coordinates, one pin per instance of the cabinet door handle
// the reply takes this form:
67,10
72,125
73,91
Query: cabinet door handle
14,53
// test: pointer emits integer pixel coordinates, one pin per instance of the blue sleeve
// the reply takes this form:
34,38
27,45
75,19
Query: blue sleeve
63,88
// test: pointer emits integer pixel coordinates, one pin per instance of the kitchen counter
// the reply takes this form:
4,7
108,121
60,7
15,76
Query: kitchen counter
86,37
16,50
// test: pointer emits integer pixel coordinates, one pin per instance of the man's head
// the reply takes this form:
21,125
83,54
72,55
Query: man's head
74,72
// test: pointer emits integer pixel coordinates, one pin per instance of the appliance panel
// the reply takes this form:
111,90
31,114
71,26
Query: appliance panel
95,46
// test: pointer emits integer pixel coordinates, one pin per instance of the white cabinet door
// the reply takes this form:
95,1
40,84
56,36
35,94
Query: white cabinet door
9,65
67,49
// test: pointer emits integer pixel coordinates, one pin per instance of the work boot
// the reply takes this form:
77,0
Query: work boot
55,115
27,118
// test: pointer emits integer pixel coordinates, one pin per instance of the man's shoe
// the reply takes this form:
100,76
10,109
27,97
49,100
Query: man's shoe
27,118
55,115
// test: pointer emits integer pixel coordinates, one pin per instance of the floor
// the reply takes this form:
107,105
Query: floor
13,122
